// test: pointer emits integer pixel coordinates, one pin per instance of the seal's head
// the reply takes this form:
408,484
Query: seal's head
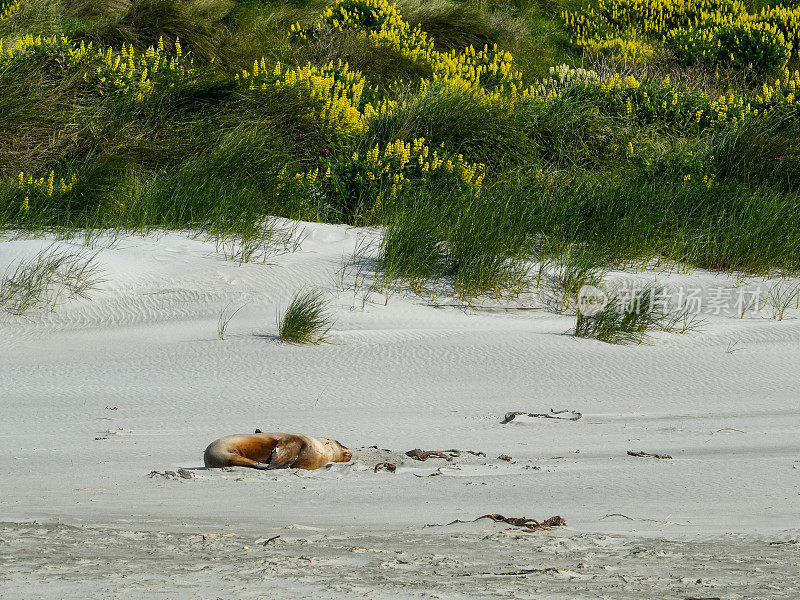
339,452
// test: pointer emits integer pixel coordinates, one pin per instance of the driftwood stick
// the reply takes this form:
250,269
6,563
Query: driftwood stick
272,539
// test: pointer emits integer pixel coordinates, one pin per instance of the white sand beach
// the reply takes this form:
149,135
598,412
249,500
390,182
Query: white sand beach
97,394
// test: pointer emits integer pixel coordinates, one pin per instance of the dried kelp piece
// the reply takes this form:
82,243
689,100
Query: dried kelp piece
385,466
418,454
516,521
527,571
553,414
646,454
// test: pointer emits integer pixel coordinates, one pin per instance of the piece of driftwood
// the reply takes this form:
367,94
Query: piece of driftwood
648,454
387,466
506,457
553,414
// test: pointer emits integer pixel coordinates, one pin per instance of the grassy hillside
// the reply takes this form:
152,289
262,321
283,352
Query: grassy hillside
480,133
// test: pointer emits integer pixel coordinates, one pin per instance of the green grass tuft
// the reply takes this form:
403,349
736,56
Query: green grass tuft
306,319
622,321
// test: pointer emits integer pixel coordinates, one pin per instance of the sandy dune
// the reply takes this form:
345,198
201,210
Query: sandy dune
99,393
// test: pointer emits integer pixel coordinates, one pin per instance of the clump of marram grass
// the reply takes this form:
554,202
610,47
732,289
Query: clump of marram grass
628,318
473,246
47,278
620,321
306,320
412,250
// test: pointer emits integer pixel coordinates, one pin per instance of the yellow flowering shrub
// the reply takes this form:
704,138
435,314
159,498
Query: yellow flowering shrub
717,32
688,108
122,71
139,75
381,24
43,186
345,103
8,8
28,45
351,188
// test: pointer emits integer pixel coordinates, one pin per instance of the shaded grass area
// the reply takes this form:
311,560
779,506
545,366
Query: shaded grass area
729,226
584,223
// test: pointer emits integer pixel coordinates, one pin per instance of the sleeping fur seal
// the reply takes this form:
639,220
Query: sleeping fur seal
275,451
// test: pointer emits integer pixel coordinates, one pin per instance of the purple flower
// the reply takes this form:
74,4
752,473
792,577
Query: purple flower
778,158
327,152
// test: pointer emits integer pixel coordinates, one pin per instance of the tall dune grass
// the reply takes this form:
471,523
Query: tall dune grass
620,169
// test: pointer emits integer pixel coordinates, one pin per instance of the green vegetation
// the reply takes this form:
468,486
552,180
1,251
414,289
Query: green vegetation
630,315
480,134
48,278
306,320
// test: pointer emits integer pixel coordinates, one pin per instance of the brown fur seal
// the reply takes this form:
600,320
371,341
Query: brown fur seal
275,451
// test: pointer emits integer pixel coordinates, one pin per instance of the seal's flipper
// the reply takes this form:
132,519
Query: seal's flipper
240,461
284,454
